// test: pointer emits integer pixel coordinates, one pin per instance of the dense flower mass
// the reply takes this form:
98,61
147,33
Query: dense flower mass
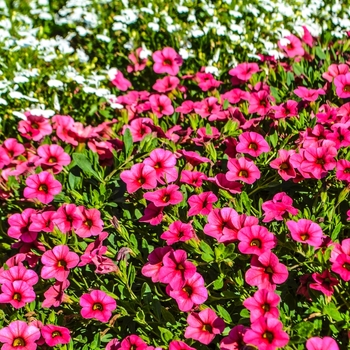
174,175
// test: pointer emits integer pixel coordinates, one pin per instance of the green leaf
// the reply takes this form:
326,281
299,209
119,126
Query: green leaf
224,314
332,311
320,53
165,334
128,143
304,329
84,164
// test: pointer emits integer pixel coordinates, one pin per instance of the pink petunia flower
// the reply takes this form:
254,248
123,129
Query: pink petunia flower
139,176
179,345
280,205
342,85
92,225
262,303
98,305
178,232
201,204
55,295
308,94
334,70
307,37
259,102
341,266
133,342
234,340
42,186
166,84
42,222
19,226
17,293
194,158
193,178
35,127
153,215
244,71
167,61
266,271
252,143
138,63
204,326
306,231
138,129
242,169
117,78
165,196
55,335
57,263
286,109
161,105
266,334
19,336
68,217
53,157
291,45
317,343
255,240
324,282
114,344
206,81
283,165
19,273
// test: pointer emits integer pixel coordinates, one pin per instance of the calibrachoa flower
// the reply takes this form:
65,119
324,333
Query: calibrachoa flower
179,345
252,143
55,335
53,157
317,343
139,176
204,326
306,231
202,203
42,186
17,293
58,262
234,340
55,295
97,304
276,209
324,282
19,226
19,336
92,224
242,169
266,334
178,232
68,217
292,46
283,165
161,105
167,61
19,273
244,71
165,196
133,342
342,84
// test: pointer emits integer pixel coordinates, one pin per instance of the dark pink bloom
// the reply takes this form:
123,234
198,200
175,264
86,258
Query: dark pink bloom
341,266
280,205
138,63
153,215
58,262
161,105
209,106
244,71
139,129
234,340
206,81
242,169
179,345
308,94
68,217
317,343
193,292
19,336
18,273
342,84
306,231
343,170
194,178
42,222
55,295
186,107
176,269
12,148
178,232
151,269
334,70
259,102
252,143
118,80
55,335
166,61
286,109
266,271
262,303
17,293
202,203
53,157
19,226
324,282
98,305
166,84
267,334
343,248
235,95
340,135
42,186
283,165
35,127
163,162
92,224
204,326
292,46
255,240
194,158
133,342
307,37
165,196
114,344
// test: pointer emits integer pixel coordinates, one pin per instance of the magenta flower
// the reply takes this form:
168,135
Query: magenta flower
166,84
179,345
42,186
283,165
176,269
35,127
204,326
98,305
276,209
139,176
244,71
287,109
292,46
266,334
167,61
19,226
259,102
262,303
341,266
42,222
255,240
266,271
53,157
252,143
161,105
306,231
114,344
194,158
117,78
68,217
55,295
19,336
307,37
19,273
17,293
153,215
317,343
139,129
334,70
308,94
57,263
206,81
193,178
133,342
178,232
138,63
324,282
165,196
92,224
202,203
342,84
193,292
234,340
55,335
242,169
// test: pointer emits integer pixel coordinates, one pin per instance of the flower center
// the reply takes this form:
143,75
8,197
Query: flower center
43,188
167,62
56,334
243,173
268,336
284,166
266,307
346,88
347,171
62,263
255,243
207,328
346,266
141,180
97,306
269,270
18,342
52,160
253,146
320,161
304,236
17,296
88,223
180,267
187,290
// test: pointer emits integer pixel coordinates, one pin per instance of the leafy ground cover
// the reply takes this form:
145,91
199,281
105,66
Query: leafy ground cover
174,175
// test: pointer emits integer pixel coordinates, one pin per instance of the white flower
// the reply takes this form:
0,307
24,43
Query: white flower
102,92
212,70
2,101
20,79
112,73
154,26
46,113
104,38
55,83
182,9
19,115
183,53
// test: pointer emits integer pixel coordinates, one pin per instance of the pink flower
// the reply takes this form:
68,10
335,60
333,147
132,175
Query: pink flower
266,271
259,102
262,303
283,165
178,232
166,61
252,143
306,231
307,37
234,340
166,84
255,240
19,336
68,217
17,293
165,196
139,176
98,305
324,282
161,105
341,266
242,169
19,273
118,80
133,342
278,207
42,222
139,129
308,95
153,215
92,224
267,334
193,178
202,203
57,263
334,70
55,295
176,269
244,71
114,344
138,63
204,326
42,186
342,84
206,81
53,157
194,158
209,106
163,162
292,46
317,343
19,226
286,109
35,127
186,107
55,335
179,345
